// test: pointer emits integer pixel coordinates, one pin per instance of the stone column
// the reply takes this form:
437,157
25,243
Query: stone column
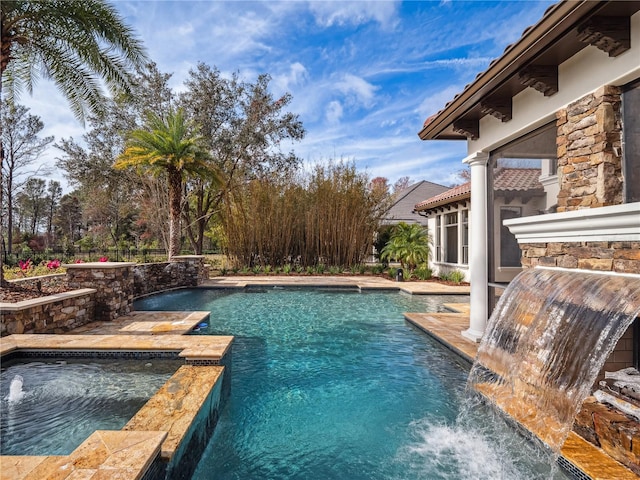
478,258
196,271
589,151
113,282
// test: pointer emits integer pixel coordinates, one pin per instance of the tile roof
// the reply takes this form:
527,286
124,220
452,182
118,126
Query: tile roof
460,192
517,180
505,180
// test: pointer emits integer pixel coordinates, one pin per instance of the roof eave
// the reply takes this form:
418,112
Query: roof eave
557,20
440,203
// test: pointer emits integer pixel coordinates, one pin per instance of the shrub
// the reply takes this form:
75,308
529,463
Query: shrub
286,269
456,276
423,272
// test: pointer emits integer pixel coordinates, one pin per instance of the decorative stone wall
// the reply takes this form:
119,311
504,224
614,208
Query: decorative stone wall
617,434
621,257
589,153
53,314
182,271
106,291
113,282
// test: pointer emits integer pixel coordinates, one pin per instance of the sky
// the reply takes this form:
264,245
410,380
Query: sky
364,75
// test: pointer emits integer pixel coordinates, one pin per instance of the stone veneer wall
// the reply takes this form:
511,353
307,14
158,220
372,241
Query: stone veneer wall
182,271
53,314
590,176
621,257
589,153
108,290
113,282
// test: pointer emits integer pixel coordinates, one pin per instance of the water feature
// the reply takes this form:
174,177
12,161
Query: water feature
49,407
15,389
546,342
335,384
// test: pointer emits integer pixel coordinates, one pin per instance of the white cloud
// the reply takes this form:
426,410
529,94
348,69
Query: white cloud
434,102
334,112
340,13
296,76
357,90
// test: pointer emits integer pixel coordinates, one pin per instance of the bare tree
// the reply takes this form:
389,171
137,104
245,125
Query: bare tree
401,184
22,146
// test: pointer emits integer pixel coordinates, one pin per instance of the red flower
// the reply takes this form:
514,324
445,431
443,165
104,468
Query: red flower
24,266
53,264
104,259
79,260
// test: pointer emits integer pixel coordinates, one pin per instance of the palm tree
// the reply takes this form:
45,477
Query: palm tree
409,244
76,43
168,146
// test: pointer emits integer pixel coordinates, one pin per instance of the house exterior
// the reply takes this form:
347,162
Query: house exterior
402,208
518,193
564,99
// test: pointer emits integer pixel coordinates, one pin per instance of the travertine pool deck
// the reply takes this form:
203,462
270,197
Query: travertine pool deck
446,328
363,282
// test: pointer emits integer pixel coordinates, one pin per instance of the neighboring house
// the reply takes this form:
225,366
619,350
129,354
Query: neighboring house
402,208
564,98
518,193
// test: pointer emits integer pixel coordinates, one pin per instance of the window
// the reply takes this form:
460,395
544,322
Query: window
451,232
509,249
438,238
465,236
631,142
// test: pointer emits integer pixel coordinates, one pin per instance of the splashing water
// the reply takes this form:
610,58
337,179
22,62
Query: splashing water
547,340
15,389
480,444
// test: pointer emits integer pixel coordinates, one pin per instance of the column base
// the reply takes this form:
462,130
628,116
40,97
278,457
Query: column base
473,335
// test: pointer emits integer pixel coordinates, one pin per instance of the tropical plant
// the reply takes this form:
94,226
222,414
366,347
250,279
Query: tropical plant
423,272
409,244
79,44
456,276
168,146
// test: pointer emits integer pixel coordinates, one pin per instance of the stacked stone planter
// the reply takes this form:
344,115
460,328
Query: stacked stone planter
100,291
52,314
113,282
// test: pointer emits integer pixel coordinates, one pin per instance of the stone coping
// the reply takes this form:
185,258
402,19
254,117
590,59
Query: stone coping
146,323
101,265
105,454
190,347
25,304
362,282
175,406
187,257
37,277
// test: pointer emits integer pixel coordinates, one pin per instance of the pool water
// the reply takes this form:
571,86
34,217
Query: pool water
62,402
336,385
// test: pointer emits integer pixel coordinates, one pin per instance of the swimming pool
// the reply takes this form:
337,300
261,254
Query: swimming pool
59,403
335,384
